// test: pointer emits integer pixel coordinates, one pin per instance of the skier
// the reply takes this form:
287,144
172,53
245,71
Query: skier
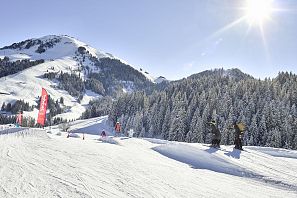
103,134
238,130
117,129
216,135
19,119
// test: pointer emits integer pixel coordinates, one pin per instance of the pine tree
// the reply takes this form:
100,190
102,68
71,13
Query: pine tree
194,134
253,131
177,130
3,108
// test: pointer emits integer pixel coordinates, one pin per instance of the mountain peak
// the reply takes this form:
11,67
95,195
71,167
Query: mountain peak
160,79
55,46
65,67
231,73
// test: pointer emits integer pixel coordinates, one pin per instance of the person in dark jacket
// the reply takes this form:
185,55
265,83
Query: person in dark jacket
103,134
216,135
237,136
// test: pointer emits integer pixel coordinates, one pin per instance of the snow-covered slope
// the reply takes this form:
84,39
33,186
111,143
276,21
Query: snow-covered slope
27,85
33,164
61,54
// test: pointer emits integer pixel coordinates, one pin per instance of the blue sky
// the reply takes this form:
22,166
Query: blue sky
172,38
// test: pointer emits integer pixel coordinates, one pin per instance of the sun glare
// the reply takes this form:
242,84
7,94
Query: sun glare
258,11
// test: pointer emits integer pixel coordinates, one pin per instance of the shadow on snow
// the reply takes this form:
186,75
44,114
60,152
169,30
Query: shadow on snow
208,159
204,159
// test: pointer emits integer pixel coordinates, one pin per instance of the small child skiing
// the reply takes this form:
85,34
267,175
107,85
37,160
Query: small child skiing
103,134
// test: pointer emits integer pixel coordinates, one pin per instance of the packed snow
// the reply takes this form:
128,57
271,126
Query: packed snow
45,163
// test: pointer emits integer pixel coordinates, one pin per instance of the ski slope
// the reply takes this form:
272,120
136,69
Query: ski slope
27,84
62,57
34,163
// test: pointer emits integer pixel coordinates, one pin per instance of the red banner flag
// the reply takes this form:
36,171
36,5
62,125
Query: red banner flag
42,109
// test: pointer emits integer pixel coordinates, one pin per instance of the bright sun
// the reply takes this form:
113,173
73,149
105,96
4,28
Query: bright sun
258,11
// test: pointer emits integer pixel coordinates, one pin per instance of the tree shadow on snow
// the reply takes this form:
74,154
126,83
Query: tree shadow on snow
207,159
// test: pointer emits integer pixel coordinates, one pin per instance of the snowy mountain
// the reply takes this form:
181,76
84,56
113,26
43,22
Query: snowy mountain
66,68
160,79
39,164
48,48
231,73
157,80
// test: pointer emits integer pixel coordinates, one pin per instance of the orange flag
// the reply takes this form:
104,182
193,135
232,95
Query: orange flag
42,109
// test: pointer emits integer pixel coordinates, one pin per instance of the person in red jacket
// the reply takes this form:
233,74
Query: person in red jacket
117,129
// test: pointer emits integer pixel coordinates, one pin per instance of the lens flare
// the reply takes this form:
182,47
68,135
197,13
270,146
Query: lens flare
258,11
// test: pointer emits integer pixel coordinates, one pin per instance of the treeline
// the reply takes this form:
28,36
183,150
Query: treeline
182,110
27,44
43,46
8,68
4,119
18,106
100,107
71,83
23,44
108,76
54,107
113,72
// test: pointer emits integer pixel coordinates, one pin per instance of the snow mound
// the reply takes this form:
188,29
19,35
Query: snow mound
109,140
203,159
227,160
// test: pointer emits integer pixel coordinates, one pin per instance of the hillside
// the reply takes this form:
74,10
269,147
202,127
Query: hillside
181,110
34,163
66,68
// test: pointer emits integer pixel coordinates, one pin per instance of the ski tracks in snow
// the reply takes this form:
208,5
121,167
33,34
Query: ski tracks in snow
38,166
